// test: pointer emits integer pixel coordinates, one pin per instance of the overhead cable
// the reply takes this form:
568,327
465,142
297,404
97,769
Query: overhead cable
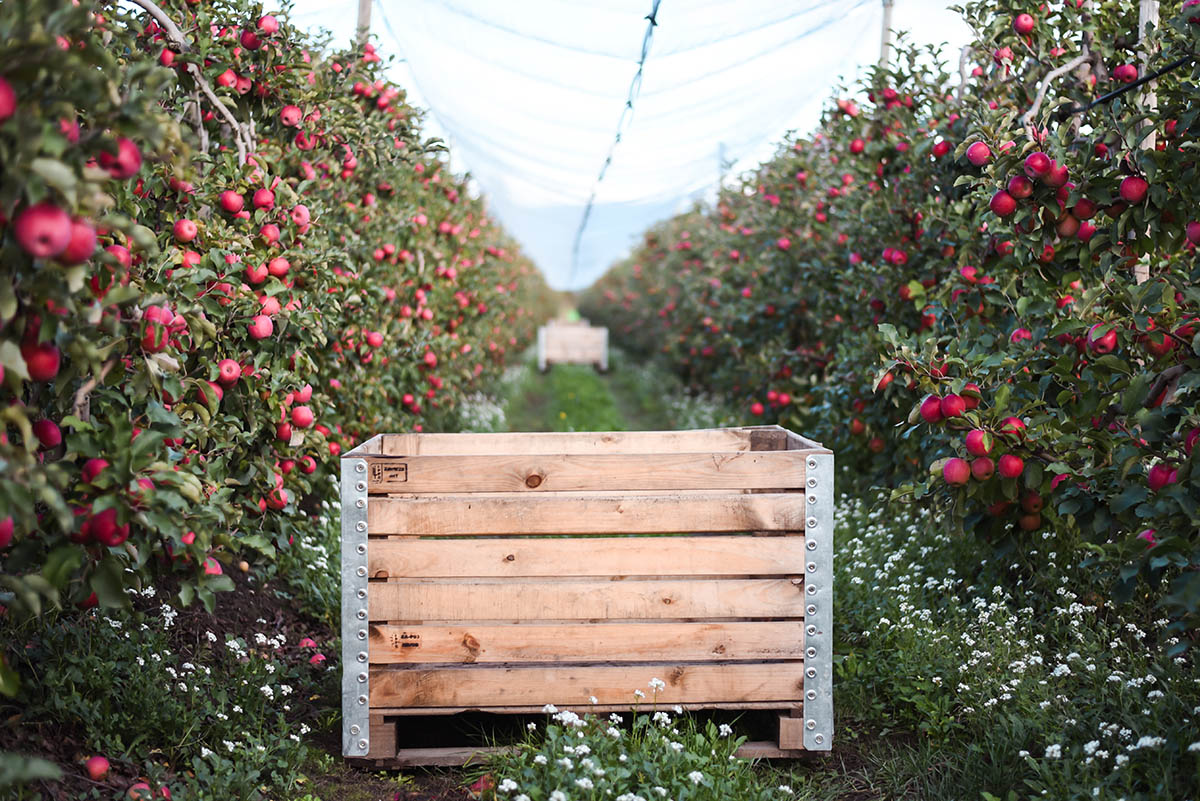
635,87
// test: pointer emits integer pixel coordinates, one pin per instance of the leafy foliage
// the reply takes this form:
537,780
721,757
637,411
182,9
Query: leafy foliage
916,251
225,258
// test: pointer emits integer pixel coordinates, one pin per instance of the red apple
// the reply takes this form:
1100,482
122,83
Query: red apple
1020,187
304,393
1193,233
1125,73
983,468
757,409
1160,476
1003,204
979,154
1023,24
41,360
1102,343
953,405
1037,165
268,25
1056,177
125,163
261,327
1133,189
1032,502
48,433
264,199
1011,466
971,395
43,230
979,443
184,230
231,201
228,372
6,529
302,416
283,432
278,267
104,529
1013,427
82,244
92,468
931,409
97,768
290,116
8,100
956,471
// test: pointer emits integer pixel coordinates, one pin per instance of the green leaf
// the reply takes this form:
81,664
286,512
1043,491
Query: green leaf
55,173
108,583
10,357
61,563
10,683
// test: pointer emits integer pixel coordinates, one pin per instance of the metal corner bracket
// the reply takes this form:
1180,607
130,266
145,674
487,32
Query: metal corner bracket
355,654
818,603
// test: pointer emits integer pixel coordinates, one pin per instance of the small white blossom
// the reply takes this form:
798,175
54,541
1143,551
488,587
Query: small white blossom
507,786
696,776
657,685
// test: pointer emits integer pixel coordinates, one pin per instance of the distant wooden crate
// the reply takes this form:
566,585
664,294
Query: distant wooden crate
572,343
497,572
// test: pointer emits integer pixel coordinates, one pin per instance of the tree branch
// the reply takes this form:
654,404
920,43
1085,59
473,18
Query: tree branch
81,407
962,74
1027,117
241,135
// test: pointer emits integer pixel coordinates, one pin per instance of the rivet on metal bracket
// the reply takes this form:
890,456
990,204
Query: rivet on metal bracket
811,694
361,526
812,609
810,653
361,467
362,657
362,699
362,614
812,482
361,549
812,545
360,503
812,567
810,725
362,744
361,593
811,673
812,589
362,676
361,571
362,635
812,522
811,630
361,486
820,738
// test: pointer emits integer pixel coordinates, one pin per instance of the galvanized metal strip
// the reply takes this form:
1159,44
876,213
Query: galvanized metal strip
818,609
355,709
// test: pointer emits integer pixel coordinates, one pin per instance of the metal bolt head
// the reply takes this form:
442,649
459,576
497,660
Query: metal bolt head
361,486
811,545
360,503
812,462
812,590
362,744
362,593
811,673
361,467
812,567
811,653
362,677
811,610
362,571
362,657
362,635
355,729
812,522
361,525
811,695
362,699
361,548
810,725
362,614
811,630
812,482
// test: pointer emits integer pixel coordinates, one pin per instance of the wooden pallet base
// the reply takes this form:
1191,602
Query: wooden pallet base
385,754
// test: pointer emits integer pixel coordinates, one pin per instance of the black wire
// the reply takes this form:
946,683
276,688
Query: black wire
635,86
1062,114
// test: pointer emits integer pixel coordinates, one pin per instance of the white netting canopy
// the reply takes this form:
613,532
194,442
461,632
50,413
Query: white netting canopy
531,95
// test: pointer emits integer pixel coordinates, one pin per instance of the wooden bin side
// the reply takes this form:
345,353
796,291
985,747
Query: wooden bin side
502,598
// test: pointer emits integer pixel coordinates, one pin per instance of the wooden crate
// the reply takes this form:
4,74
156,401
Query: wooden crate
572,343
502,572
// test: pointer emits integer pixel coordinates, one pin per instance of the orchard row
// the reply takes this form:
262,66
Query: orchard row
227,257
977,291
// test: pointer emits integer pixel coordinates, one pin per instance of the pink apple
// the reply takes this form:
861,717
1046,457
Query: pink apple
228,372
1011,466
1003,204
8,100
302,417
261,327
983,468
1133,189
979,154
43,230
956,471
97,768
1037,165
184,230
978,442
931,409
1023,24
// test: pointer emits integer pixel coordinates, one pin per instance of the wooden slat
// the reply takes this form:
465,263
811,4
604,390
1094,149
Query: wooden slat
574,685
515,599
791,732
536,709
611,642
765,749
444,757
546,442
562,513
590,556
605,471
383,737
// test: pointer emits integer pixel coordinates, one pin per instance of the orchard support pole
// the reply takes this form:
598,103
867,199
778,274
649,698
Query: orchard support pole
1147,16
364,22
885,36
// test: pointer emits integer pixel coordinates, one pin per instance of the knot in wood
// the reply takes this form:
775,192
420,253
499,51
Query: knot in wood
533,480
512,557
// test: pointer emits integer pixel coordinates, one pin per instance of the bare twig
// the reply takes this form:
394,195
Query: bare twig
962,73
1027,117
81,407
241,134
